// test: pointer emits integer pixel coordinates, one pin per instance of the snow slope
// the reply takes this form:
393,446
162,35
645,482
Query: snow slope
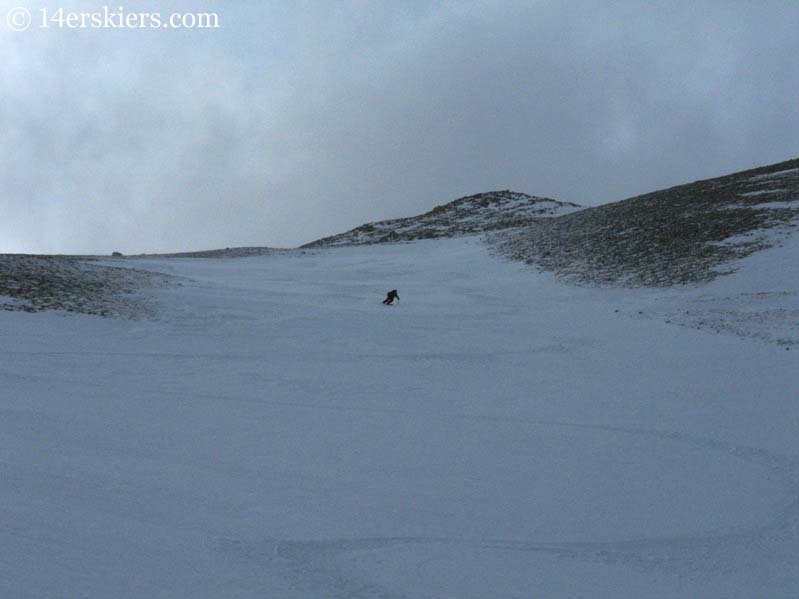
277,432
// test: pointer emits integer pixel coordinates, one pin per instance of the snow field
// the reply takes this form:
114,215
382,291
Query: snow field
278,432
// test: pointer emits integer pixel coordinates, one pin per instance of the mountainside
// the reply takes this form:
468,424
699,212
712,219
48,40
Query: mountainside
468,215
83,284
74,284
684,234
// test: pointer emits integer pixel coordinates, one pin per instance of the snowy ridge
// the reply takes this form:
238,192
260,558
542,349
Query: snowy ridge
465,216
239,252
685,234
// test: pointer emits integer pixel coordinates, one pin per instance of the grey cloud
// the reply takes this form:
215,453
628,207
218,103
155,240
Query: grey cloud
293,122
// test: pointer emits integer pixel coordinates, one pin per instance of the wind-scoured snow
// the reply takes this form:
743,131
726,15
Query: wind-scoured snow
274,431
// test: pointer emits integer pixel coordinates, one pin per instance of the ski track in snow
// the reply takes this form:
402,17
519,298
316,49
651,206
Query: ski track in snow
315,565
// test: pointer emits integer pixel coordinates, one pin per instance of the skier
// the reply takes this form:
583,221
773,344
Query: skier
392,295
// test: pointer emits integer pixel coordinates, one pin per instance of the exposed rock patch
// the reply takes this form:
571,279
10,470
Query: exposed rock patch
38,283
685,234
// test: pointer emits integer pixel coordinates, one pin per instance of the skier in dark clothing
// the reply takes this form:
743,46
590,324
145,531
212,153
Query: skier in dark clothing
392,295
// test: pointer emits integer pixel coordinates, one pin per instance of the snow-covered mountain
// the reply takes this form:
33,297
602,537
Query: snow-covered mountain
685,234
465,216
273,430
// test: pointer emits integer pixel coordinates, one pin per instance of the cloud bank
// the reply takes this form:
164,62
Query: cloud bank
291,121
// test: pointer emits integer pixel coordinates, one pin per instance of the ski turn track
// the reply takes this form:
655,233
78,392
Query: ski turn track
325,566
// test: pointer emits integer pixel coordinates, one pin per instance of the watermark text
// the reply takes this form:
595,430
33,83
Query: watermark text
107,17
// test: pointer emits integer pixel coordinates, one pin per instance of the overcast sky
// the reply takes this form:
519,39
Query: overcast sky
294,120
